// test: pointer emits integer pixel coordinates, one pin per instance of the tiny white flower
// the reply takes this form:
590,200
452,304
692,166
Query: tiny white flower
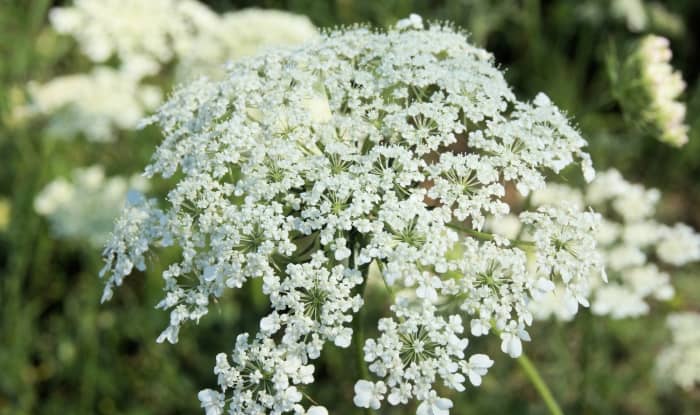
434,405
317,410
212,401
368,394
511,345
413,21
477,367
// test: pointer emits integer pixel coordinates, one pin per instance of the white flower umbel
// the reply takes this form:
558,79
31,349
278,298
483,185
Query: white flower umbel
262,377
313,303
414,350
679,363
305,167
639,252
86,206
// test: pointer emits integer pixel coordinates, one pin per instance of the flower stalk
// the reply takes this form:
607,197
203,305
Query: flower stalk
357,326
536,379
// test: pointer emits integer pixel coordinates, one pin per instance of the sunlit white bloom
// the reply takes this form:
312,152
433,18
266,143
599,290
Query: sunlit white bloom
305,168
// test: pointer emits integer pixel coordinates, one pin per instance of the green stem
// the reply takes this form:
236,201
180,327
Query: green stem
485,236
359,333
358,329
539,384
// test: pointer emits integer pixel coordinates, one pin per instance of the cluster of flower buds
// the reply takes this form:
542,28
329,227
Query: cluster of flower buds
647,87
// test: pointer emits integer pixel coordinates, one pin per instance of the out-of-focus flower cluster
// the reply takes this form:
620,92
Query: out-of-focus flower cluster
303,168
680,361
637,15
147,34
639,252
85,206
647,87
97,104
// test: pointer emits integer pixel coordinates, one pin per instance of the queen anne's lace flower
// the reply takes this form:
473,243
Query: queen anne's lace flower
304,168
680,362
631,241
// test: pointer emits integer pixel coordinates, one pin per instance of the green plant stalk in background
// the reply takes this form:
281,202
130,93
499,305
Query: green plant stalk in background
534,376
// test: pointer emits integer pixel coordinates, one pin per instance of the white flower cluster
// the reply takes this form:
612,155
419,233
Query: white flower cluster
148,34
638,251
305,167
648,88
680,361
85,207
144,36
96,104
133,29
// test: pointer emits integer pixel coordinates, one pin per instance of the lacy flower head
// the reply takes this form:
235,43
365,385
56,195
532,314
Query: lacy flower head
639,252
304,168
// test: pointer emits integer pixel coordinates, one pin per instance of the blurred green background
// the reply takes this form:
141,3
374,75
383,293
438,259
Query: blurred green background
61,351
